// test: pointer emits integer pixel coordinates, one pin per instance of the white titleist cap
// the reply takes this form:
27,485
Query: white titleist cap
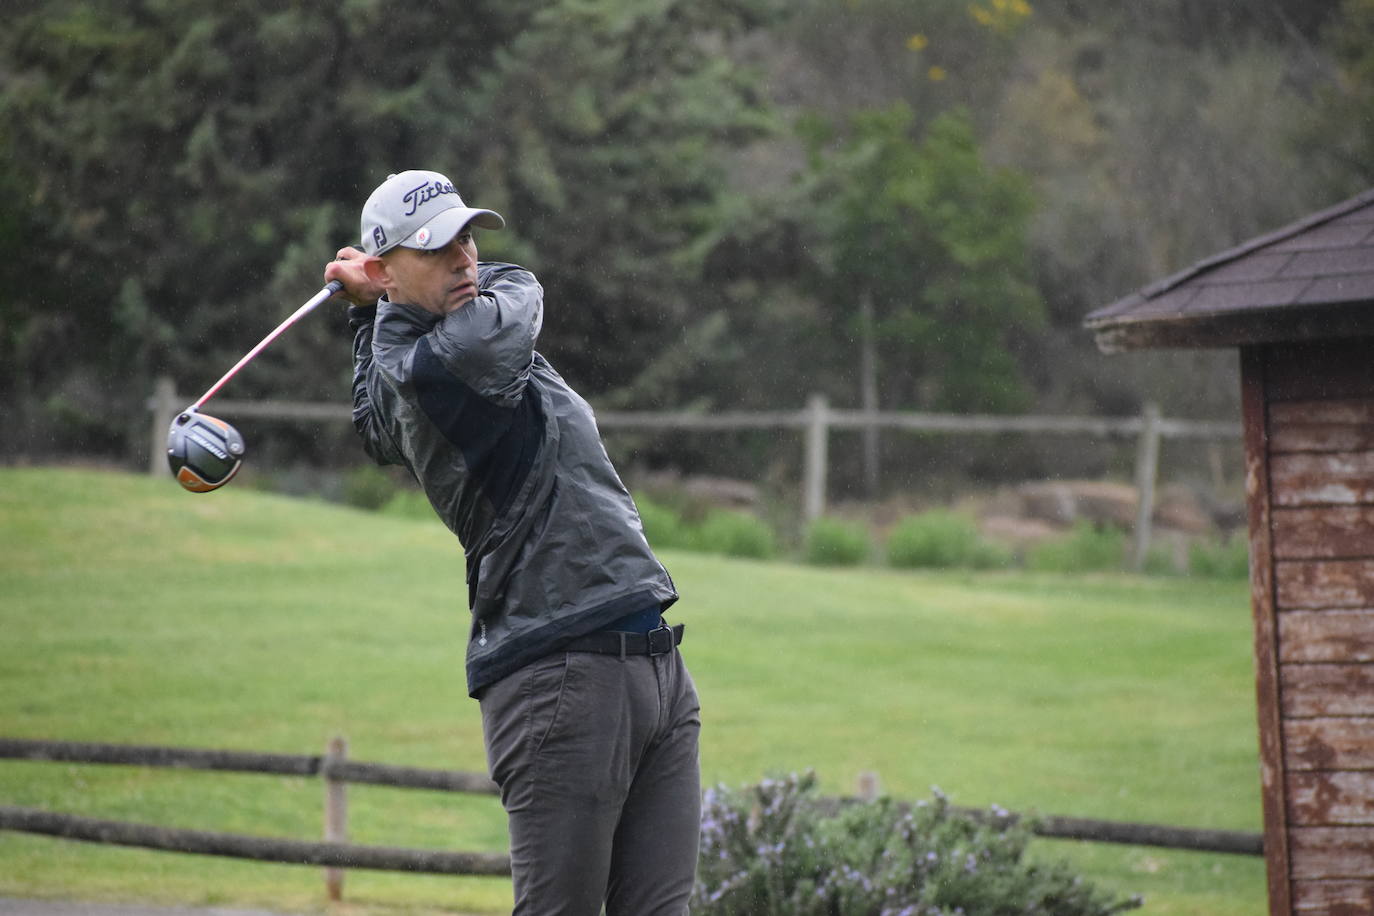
418,209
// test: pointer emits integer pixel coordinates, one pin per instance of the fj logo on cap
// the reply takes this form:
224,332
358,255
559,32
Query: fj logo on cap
378,237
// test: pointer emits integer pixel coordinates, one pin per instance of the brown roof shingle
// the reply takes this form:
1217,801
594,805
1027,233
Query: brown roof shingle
1313,278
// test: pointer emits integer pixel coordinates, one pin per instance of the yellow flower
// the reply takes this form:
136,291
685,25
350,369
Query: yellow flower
936,74
917,42
1002,15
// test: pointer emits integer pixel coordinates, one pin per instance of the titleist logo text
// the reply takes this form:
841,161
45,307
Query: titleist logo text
418,197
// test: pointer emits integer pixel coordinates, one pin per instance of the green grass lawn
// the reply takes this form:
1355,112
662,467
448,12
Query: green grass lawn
133,612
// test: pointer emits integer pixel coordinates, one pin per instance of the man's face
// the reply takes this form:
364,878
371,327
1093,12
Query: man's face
438,281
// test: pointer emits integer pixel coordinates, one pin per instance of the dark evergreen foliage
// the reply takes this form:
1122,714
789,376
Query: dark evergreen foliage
709,190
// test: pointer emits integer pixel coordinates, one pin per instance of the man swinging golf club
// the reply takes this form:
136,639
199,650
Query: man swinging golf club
589,715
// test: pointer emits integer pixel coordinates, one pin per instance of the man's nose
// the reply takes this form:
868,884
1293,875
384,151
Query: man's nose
459,257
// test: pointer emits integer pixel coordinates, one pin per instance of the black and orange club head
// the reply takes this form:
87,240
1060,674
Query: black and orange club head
205,452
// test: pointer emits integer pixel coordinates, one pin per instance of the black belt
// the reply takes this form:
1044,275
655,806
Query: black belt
614,642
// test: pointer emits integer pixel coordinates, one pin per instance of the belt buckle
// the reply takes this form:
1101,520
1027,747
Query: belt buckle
660,640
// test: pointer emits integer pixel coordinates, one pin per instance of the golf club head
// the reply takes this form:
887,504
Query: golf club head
204,452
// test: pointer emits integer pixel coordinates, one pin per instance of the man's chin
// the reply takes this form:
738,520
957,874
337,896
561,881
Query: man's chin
459,299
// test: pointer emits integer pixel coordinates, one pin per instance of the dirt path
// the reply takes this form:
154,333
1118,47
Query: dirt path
10,906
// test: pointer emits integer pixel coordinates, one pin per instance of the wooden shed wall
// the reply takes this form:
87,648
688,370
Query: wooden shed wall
1310,467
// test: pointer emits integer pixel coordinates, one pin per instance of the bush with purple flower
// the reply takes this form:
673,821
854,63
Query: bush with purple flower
778,849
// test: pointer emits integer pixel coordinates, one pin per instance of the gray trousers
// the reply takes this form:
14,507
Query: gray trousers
596,757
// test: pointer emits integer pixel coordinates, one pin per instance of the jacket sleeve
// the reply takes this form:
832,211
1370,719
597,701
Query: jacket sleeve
377,442
489,343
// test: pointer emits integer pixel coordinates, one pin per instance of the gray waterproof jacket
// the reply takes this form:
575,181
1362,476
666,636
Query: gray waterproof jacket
511,459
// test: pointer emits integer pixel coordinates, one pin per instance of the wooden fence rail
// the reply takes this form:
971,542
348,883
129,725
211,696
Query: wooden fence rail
336,854
330,767
258,849
1238,842
815,422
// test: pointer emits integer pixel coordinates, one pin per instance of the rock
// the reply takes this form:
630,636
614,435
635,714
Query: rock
722,491
1178,509
1015,531
698,490
1064,502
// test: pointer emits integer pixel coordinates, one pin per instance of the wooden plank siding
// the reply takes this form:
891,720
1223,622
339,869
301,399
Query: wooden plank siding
1322,426
1316,435
1324,853
1337,898
1326,636
1325,584
1329,743
1327,690
1343,797
1317,479
1330,532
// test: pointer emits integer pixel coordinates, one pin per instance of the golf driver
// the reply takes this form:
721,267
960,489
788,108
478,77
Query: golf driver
205,452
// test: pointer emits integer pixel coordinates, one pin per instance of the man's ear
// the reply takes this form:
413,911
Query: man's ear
377,272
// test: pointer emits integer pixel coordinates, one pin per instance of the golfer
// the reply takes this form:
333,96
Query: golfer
589,715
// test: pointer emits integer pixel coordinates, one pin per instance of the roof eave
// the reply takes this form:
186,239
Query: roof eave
1218,330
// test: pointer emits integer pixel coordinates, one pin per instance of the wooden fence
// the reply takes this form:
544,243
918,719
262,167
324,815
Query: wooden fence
333,767
335,853
815,422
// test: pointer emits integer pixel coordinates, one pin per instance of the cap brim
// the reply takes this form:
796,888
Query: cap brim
446,225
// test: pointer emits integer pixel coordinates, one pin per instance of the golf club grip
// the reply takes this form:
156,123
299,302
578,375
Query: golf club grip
330,288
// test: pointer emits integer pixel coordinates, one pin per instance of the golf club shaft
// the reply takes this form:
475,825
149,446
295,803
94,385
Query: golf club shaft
329,290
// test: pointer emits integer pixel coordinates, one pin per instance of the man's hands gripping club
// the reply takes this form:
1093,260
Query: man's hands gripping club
349,268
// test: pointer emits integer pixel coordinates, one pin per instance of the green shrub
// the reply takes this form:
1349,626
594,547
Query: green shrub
735,534
833,542
663,526
775,849
941,539
409,503
1223,559
367,486
1087,548
1162,560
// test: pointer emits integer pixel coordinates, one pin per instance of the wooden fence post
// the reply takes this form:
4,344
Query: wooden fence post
1146,471
868,384
817,440
164,407
335,812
